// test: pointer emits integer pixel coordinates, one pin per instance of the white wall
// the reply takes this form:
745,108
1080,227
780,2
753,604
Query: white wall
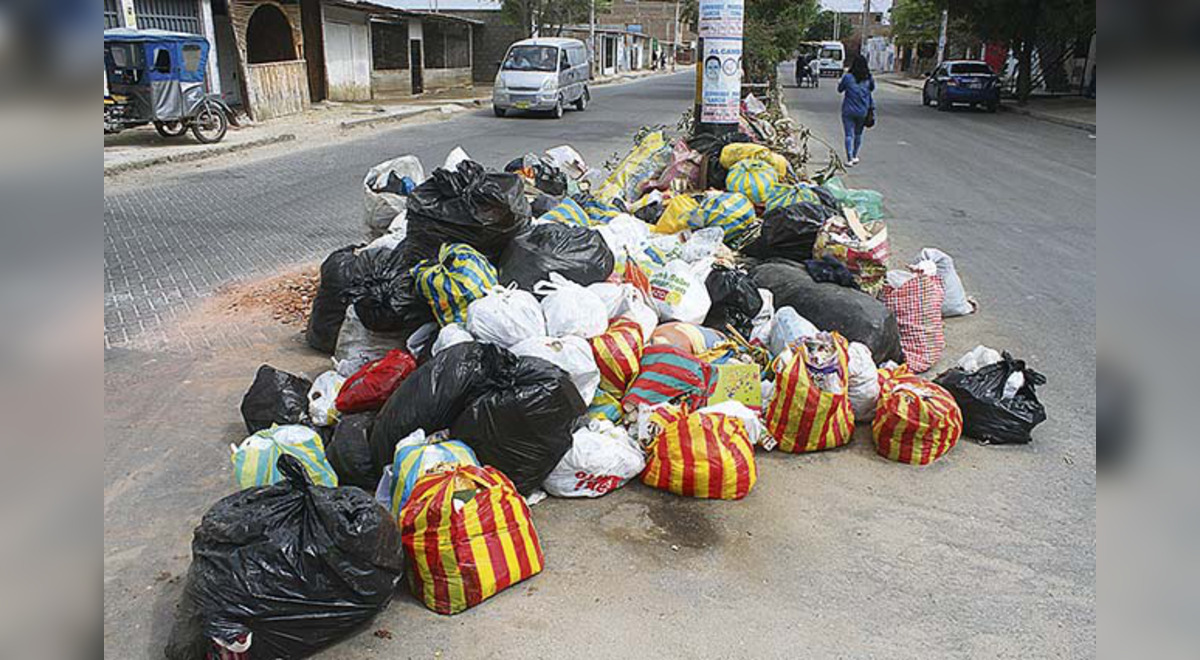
347,54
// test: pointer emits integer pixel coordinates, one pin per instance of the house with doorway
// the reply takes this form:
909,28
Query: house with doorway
277,57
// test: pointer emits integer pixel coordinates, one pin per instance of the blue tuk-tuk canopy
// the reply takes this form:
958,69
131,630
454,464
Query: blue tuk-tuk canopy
183,69
131,35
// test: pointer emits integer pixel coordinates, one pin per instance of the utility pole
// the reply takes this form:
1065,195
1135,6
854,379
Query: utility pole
837,25
675,36
862,39
941,52
592,32
719,66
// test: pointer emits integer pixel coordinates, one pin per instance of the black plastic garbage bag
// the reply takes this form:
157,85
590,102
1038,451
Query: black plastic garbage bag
467,205
547,177
829,269
434,395
854,314
577,253
828,201
987,416
275,397
649,213
788,232
543,203
735,300
296,566
329,305
710,145
522,425
349,451
385,294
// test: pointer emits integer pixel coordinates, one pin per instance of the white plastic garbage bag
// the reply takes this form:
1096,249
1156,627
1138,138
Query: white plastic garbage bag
625,300
679,293
388,241
321,398
568,160
702,244
761,324
449,335
755,427
356,345
956,302
456,156
423,337
382,186
571,309
505,316
624,233
787,327
571,354
602,458
978,358
864,382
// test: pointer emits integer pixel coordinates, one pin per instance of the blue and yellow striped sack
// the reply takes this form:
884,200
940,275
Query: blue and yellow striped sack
753,178
254,461
732,212
568,212
605,406
787,195
415,459
458,276
599,212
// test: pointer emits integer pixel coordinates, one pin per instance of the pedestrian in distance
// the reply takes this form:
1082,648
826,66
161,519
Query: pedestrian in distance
857,103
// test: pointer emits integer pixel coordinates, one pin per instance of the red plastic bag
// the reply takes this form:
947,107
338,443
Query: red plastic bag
369,387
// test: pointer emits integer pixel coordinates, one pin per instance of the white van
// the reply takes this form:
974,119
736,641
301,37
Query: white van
831,58
544,75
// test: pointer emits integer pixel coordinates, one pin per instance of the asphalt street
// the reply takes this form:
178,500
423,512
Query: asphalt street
171,238
988,553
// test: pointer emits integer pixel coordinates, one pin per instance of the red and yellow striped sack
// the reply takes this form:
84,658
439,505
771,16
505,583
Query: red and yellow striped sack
618,354
916,421
804,418
705,455
459,555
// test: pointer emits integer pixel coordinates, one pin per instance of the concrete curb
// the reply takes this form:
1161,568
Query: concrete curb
1064,121
393,117
190,156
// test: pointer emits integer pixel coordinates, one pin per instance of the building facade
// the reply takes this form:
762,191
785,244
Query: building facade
277,57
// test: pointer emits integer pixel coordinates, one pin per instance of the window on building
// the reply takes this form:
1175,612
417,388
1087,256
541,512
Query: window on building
191,59
389,45
447,45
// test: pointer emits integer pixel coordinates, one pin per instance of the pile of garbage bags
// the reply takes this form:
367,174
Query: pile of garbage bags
545,328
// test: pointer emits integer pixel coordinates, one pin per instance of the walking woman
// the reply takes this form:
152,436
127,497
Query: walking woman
857,103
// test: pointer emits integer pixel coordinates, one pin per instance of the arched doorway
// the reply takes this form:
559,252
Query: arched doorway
269,36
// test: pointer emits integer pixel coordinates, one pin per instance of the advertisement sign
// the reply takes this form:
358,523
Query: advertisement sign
722,76
721,18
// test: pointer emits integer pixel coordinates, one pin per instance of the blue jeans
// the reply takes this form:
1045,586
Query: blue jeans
853,127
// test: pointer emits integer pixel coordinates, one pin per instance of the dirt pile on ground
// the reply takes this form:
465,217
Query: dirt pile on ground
286,298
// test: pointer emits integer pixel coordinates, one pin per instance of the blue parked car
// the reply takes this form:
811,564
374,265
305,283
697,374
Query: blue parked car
962,81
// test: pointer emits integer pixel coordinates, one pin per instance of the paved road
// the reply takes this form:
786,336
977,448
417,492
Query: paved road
989,553
170,241
1013,199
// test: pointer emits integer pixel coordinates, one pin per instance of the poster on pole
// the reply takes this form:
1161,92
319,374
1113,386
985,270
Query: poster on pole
722,66
721,18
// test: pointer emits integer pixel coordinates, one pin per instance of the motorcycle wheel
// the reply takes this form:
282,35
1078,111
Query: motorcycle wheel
210,124
170,129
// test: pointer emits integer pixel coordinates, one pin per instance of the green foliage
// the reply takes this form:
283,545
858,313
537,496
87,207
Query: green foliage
1024,24
916,21
821,28
772,31
551,15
